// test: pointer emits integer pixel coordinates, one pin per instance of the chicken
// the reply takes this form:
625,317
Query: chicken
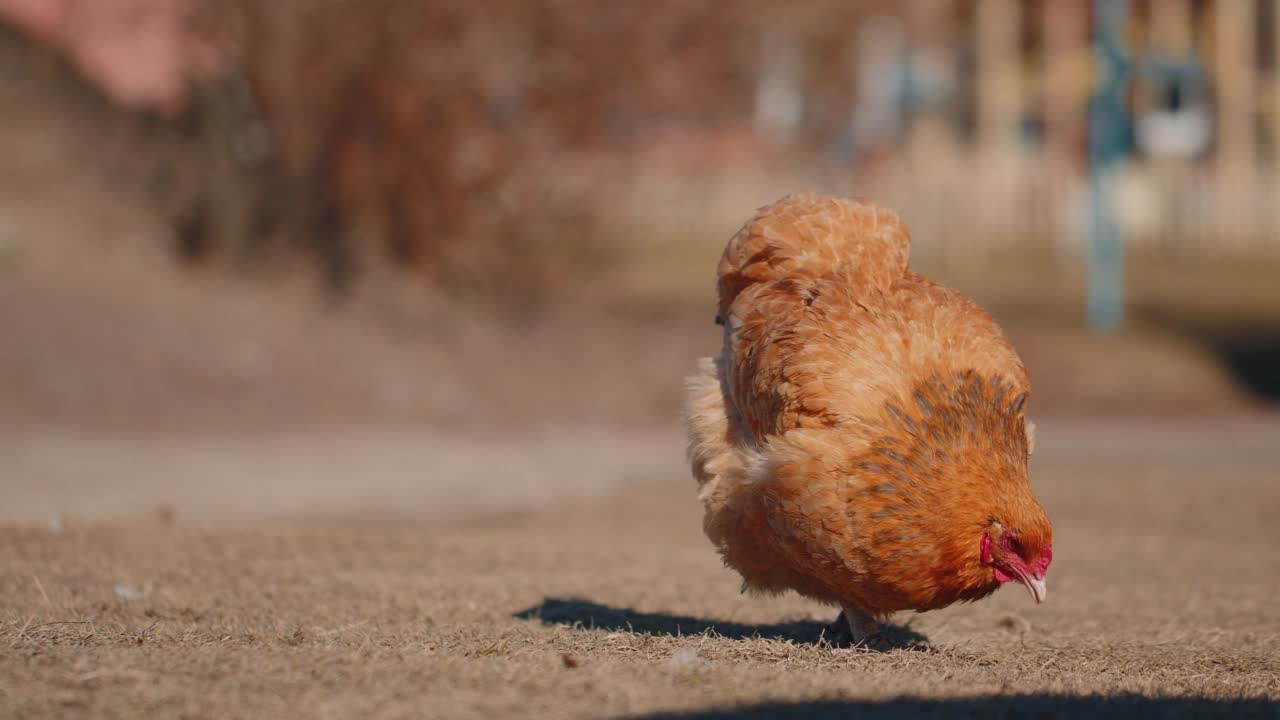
861,439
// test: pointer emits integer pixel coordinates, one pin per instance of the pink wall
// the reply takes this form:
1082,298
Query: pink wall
140,53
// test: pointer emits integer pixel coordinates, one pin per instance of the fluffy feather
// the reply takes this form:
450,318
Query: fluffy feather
863,428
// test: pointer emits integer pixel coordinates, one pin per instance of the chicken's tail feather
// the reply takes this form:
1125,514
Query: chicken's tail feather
712,425
815,236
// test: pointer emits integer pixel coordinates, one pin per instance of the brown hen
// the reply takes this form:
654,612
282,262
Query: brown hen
862,437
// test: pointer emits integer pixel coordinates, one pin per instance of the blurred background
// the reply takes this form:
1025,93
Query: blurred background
342,345
466,218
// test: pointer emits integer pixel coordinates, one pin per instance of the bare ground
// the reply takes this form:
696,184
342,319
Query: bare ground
401,574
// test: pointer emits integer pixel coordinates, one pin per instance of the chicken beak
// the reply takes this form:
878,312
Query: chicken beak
1037,587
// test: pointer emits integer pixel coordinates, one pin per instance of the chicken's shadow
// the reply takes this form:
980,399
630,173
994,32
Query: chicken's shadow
585,614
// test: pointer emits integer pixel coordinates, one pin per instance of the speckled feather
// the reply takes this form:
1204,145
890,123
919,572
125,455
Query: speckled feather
863,423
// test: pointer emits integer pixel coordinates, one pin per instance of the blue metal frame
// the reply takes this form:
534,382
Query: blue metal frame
1108,144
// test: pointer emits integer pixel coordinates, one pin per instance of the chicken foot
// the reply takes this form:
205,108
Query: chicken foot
855,629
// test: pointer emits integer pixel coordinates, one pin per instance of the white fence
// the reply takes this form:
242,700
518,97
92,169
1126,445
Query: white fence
965,212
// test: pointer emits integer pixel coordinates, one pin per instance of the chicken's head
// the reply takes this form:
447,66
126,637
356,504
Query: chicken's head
1016,555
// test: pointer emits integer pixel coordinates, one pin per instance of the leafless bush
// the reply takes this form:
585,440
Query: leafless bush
457,139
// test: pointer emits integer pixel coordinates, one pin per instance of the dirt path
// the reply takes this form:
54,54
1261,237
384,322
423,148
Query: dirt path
228,479
388,574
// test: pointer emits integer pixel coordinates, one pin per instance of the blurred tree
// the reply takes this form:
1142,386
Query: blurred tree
446,135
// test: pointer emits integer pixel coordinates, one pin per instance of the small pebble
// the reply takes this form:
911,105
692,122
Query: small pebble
685,657
128,592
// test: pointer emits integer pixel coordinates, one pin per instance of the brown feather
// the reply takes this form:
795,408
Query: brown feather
863,423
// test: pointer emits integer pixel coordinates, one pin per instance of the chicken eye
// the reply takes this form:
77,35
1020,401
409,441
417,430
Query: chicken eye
1015,545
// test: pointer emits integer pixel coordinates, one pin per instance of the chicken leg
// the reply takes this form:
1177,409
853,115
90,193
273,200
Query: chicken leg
856,629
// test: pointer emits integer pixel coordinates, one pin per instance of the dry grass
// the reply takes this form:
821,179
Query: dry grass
1162,599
